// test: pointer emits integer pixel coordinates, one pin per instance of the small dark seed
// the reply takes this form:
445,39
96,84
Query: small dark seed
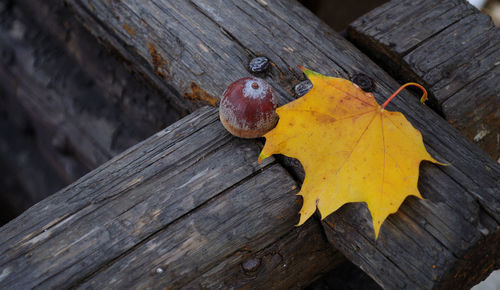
259,64
303,87
363,81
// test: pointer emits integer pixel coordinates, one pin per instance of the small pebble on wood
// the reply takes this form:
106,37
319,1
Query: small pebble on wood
259,64
303,87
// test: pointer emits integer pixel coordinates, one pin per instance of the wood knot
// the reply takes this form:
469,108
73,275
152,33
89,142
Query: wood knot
363,81
251,265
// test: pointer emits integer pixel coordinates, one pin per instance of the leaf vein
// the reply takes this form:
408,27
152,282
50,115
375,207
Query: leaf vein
355,144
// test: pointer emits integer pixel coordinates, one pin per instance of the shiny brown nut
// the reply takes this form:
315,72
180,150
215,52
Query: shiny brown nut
248,108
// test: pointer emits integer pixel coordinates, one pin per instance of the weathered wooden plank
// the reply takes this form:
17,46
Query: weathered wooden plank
188,201
291,256
69,48
198,41
202,51
453,49
219,37
201,241
114,180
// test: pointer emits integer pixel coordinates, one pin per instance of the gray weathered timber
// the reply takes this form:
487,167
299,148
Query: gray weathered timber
209,44
450,47
100,109
300,253
202,46
185,207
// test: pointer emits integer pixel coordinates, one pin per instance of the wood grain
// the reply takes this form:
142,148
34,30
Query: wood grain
187,203
70,60
451,48
430,243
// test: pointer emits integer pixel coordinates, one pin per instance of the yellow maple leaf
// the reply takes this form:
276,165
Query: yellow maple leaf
352,149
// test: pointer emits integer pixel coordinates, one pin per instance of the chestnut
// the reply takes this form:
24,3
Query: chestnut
248,108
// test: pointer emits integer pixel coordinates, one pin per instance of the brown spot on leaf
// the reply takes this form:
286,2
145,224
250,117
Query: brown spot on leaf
129,29
198,95
159,63
324,119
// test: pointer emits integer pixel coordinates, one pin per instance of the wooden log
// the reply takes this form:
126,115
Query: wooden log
199,42
184,208
130,111
452,48
209,45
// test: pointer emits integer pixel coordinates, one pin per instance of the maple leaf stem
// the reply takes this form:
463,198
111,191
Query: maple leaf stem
422,99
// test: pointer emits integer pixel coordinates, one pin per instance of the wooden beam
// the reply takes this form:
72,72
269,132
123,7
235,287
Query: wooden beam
450,47
187,207
209,45
74,91
198,47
